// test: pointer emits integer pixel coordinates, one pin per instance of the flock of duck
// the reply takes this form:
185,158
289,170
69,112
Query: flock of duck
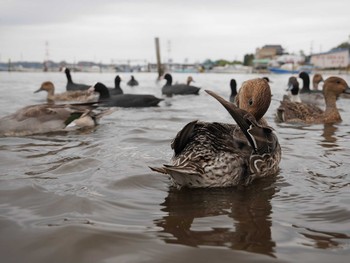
205,154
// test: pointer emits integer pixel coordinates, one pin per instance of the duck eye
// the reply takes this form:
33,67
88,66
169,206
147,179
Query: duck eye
250,102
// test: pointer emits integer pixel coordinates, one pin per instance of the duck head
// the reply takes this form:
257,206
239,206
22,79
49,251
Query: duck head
334,86
189,80
233,86
117,81
47,86
254,97
101,89
306,81
169,79
317,78
293,85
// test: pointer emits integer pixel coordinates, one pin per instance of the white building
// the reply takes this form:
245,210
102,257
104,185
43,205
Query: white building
337,58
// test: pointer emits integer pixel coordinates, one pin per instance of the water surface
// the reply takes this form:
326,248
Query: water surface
90,197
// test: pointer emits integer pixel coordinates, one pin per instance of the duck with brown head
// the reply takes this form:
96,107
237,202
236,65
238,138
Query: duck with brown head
222,154
310,114
76,95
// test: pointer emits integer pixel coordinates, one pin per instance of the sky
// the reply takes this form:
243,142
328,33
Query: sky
111,31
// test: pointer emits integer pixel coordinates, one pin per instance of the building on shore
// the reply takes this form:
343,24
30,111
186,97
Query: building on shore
333,59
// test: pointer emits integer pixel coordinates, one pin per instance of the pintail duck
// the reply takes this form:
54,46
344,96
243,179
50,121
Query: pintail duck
178,89
307,95
233,86
222,154
74,86
132,82
46,118
316,79
123,100
308,113
76,95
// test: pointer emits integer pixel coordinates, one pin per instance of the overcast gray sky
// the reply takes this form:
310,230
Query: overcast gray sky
106,30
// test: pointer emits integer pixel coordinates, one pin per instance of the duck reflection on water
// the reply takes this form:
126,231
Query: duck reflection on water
192,213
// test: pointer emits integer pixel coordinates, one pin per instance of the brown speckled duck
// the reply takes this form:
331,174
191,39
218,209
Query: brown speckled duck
222,154
46,118
307,113
76,95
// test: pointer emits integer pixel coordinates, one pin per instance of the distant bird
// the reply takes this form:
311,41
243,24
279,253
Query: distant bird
307,95
45,118
316,79
123,100
293,90
221,154
74,86
233,86
309,113
117,90
132,82
178,89
76,95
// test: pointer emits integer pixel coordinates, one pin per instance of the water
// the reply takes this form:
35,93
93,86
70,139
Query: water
90,196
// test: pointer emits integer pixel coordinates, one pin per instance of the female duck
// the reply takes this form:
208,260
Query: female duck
222,154
76,95
307,113
178,89
45,118
123,100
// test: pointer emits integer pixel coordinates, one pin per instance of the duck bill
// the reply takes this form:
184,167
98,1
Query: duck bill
38,90
347,90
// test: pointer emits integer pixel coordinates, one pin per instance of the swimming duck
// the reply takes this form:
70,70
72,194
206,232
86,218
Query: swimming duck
293,90
233,86
74,86
123,100
132,82
45,118
76,95
222,154
117,89
308,113
307,95
178,89
316,79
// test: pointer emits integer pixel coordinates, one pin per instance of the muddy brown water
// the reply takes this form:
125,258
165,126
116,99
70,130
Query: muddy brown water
89,196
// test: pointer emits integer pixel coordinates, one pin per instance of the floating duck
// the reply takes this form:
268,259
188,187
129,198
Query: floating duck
316,79
307,95
45,118
233,86
77,95
222,154
178,89
117,90
293,89
308,113
132,82
74,86
123,100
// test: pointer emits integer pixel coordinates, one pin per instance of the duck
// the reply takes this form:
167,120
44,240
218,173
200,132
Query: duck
76,95
307,95
293,90
178,89
74,86
295,112
213,154
233,86
132,82
117,90
316,79
123,100
46,118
